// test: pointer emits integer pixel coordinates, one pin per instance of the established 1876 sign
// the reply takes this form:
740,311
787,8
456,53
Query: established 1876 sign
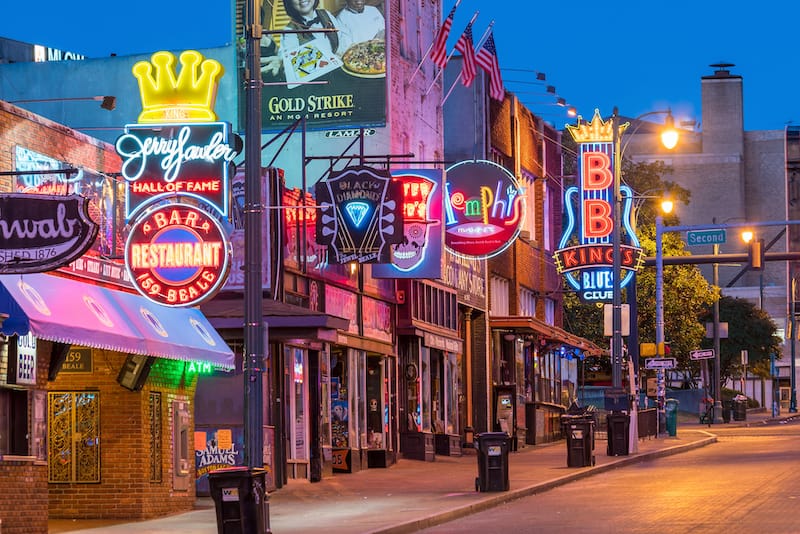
177,255
40,233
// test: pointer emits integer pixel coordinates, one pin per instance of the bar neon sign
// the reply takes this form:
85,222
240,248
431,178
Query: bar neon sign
177,255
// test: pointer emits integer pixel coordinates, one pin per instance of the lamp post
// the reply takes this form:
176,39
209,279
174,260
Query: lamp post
669,138
717,359
616,272
793,378
666,207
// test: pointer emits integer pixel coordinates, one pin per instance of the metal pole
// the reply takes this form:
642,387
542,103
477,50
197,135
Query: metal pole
253,215
616,311
717,385
793,377
660,386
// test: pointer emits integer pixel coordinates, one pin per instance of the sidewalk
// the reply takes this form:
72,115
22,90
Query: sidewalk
412,495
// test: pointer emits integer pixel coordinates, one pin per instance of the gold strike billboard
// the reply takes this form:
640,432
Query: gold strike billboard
333,79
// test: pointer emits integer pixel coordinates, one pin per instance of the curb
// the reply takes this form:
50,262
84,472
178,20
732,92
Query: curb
512,495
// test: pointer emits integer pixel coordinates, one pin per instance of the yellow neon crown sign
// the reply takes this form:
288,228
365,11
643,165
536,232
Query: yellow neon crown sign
596,131
188,97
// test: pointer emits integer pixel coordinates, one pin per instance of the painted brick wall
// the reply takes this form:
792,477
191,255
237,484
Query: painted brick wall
20,127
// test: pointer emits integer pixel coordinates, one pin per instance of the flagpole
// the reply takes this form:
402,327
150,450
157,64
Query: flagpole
480,44
427,52
475,16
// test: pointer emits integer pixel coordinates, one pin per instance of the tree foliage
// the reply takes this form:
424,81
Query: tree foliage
749,328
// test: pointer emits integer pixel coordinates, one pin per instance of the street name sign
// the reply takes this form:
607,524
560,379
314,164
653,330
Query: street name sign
660,363
705,237
704,354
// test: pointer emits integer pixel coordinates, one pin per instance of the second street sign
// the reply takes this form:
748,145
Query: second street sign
705,237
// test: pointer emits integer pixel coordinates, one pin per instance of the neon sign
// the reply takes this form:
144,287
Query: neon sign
585,254
484,209
41,233
177,255
186,97
359,215
163,160
419,255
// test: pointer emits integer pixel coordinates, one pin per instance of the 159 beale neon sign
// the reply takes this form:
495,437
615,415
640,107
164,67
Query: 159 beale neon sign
585,254
177,255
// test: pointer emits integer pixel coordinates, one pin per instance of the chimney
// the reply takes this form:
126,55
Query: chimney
723,115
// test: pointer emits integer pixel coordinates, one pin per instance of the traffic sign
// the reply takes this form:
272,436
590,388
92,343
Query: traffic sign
705,237
660,363
705,354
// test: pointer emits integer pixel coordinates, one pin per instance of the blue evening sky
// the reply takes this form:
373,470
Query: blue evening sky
636,55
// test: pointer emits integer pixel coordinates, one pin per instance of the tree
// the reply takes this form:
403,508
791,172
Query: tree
749,328
687,295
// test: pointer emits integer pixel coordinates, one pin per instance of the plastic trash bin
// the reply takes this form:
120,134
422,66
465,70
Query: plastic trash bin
240,499
617,427
740,408
671,410
492,450
579,431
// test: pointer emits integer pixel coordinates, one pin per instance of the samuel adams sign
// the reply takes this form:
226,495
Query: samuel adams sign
40,233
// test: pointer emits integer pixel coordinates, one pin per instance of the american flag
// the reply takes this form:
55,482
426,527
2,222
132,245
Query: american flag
464,45
487,59
439,51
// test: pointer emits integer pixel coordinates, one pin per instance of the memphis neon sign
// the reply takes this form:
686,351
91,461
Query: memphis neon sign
585,253
484,209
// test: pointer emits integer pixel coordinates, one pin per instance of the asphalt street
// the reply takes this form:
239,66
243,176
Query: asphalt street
743,483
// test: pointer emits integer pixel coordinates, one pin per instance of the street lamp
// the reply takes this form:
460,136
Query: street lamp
793,378
106,102
666,207
669,138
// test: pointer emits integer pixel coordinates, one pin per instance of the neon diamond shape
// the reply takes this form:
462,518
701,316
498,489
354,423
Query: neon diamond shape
358,212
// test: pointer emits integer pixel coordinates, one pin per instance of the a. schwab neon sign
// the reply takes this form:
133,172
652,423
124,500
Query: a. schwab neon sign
585,253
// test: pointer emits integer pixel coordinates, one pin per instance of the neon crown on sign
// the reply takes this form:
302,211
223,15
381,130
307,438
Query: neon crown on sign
187,97
596,131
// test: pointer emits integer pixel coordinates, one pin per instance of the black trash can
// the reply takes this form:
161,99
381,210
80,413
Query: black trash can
727,407
492,450
618,427
240,499
579,431
739,409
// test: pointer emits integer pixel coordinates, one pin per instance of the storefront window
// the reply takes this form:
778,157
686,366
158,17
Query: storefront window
358,401
13,422
340,409
425,374
437,393
325,400
376,403
299,405
451,391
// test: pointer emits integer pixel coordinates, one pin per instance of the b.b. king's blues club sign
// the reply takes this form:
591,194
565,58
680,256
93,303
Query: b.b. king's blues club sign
585,252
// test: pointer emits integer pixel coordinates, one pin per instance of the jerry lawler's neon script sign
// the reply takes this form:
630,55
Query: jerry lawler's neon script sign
585,254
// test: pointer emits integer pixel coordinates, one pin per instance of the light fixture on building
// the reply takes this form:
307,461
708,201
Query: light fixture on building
106,102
